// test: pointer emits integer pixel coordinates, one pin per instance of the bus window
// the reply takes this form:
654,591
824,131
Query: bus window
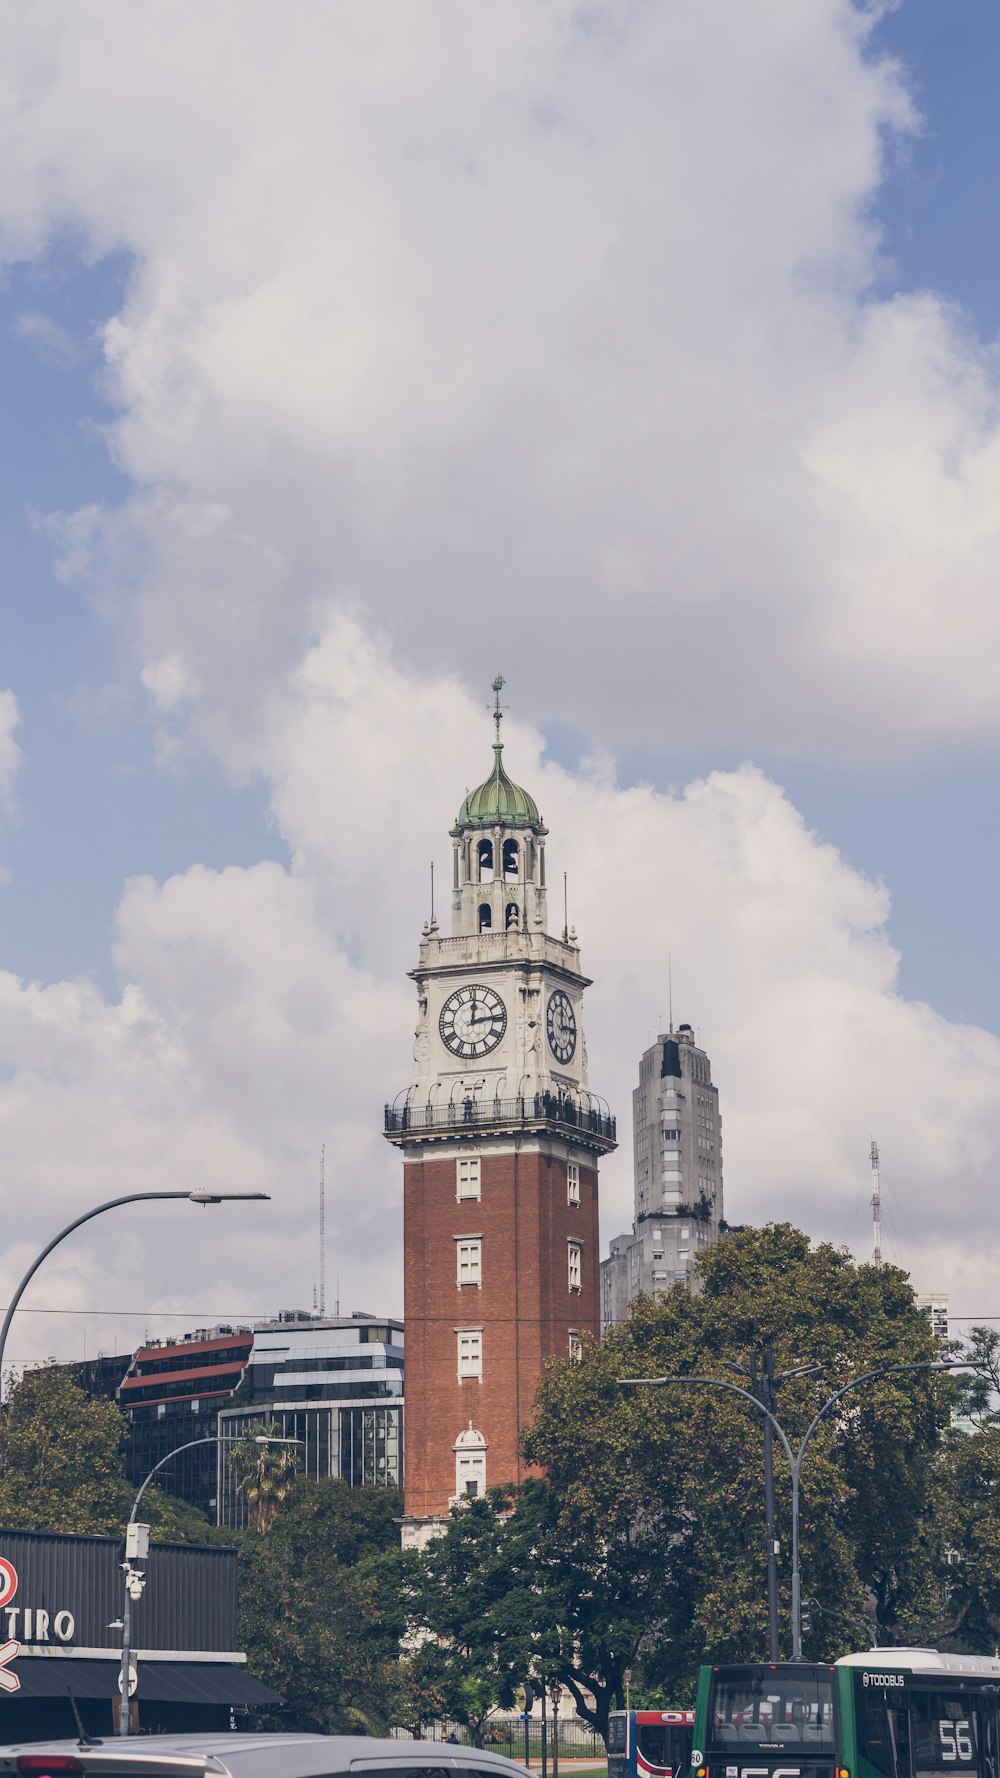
771,1709
616,1731
883,1733
944,1735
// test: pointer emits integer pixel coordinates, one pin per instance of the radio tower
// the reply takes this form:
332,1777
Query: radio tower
876,1206
322,1230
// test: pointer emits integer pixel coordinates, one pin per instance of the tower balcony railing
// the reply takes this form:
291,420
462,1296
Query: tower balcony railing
587,1119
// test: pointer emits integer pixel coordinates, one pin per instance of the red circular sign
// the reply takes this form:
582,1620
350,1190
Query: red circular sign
8,1581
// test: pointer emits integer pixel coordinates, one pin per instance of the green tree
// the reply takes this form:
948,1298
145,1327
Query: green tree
967,1502
656,1495
265,1473
318,1618
62,1468
475,1622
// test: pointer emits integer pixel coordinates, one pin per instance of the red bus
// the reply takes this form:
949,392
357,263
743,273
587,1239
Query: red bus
650,1743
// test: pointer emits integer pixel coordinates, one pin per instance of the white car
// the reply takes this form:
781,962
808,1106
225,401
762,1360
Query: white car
253,1756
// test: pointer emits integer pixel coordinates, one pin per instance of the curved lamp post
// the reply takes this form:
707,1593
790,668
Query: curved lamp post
134,1581
794,1457
196,1197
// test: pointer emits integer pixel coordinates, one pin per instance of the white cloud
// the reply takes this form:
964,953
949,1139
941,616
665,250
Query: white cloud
267,1011
781,953
464,336
11,757
52,342
551,320
242,1040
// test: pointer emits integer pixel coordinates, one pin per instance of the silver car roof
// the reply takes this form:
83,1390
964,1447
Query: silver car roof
263,1756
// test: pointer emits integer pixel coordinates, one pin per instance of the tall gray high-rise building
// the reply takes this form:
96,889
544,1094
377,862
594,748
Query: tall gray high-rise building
678,1175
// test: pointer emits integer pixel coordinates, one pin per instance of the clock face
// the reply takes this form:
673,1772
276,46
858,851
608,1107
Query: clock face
561,1025
472,1021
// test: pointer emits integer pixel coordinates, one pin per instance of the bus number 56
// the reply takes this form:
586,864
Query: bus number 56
956,1741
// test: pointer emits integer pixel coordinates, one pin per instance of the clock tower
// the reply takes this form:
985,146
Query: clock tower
500,1136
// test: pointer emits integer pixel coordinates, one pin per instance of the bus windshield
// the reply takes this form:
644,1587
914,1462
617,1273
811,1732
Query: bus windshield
771,1708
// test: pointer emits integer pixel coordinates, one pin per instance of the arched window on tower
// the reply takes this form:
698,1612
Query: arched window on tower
484,852
470,1449
513,919
485,917
511,861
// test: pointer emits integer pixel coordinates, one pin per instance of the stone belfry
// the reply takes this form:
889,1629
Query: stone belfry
500,1136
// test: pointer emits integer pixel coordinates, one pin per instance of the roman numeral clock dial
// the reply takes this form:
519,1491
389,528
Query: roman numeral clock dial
561,1025
472,1021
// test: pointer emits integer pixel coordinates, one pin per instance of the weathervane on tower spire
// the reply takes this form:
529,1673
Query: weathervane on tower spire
497,688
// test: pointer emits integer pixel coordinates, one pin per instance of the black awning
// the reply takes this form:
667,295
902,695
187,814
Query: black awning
55,1676
176,1682
201,1682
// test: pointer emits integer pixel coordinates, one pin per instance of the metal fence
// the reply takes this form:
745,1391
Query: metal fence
540,1108
505,1734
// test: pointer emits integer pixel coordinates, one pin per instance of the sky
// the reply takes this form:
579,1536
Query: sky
644,353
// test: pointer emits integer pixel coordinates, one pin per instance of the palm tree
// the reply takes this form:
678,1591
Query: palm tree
265,1473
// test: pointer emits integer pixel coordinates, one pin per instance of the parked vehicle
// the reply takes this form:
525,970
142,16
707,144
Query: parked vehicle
252,1756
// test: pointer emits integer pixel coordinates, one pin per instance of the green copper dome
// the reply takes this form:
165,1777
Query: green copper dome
499,802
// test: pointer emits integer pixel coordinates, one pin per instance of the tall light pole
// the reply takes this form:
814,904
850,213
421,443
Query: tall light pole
135,1581
763,1389
794,1457
195,1197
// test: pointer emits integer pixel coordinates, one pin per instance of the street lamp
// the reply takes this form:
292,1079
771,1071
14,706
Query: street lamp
767,1382
195,1197
795,1457
138,1547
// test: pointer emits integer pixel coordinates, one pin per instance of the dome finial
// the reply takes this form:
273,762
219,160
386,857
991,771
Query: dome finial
497,688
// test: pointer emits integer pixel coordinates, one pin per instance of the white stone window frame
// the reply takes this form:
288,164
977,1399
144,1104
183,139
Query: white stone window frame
573,1184
575,1345
470,1364
464,1245
470,1450
574,1266
468,1179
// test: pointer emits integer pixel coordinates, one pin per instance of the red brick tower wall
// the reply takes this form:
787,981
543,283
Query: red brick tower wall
524,1305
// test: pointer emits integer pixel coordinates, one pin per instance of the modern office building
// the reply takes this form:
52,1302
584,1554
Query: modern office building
500,1137
677,1175
172,1393
337,1386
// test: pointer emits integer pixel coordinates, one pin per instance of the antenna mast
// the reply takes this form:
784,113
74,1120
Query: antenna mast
876,1205
322,1230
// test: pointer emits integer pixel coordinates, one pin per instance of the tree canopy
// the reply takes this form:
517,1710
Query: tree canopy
657,1497
319,1620
61,1466
639,1542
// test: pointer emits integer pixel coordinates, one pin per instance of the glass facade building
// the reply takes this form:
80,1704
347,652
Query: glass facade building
336,1384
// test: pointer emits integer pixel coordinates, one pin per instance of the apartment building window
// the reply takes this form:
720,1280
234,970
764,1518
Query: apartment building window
575,1345
575,1251
469,1259
572,1183
468,1183
470,1352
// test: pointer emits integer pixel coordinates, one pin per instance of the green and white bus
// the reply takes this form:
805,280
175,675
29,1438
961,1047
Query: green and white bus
892,1713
